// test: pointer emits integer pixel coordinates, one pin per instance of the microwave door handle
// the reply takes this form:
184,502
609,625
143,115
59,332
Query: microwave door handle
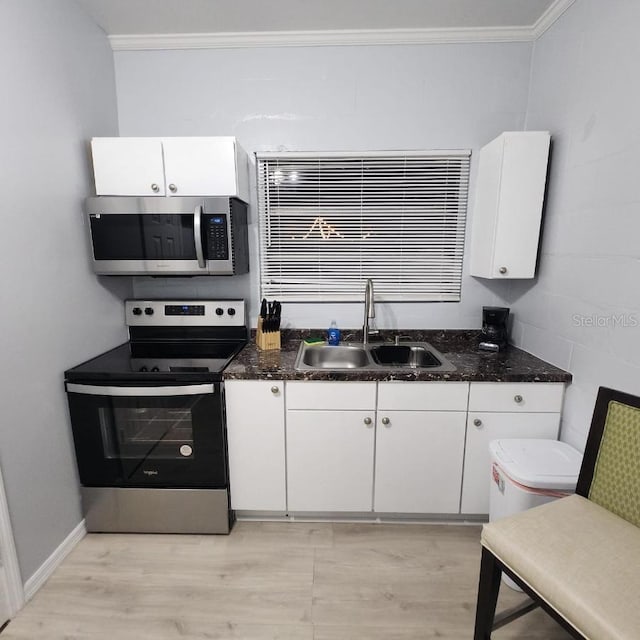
99,390
197,236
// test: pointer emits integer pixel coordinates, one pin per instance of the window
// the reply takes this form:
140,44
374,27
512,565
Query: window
329,221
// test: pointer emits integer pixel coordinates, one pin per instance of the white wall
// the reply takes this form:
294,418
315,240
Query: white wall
58,90
329,98
584,89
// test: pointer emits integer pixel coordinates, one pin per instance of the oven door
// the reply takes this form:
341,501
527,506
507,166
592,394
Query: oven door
171,436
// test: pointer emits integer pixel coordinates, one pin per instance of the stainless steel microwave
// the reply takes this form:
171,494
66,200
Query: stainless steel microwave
173,236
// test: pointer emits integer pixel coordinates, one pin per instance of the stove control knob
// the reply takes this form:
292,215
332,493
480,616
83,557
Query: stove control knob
148,311
137,311
219,311
231,311
155,369
143,369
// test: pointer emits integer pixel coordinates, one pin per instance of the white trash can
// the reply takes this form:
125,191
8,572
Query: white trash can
526,473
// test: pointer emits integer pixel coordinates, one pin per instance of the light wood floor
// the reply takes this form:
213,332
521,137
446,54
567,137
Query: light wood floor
290,581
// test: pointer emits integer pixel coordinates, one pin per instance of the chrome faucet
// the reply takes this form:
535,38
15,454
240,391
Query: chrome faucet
369,311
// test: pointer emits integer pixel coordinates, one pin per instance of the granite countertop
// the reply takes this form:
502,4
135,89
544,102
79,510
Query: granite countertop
459,347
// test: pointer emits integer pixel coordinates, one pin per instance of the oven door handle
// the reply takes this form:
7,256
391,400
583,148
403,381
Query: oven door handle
197,235
100,390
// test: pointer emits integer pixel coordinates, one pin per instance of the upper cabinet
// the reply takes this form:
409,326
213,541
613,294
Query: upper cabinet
170,167
507,212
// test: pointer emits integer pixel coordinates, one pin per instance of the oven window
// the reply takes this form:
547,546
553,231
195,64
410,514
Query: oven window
163,429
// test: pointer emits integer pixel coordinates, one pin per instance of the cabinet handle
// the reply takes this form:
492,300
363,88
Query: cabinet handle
155,188
518,399
173,188
386,421
502,270
367,421
477,422
275,390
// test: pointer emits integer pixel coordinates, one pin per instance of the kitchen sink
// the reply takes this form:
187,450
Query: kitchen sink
335,357
371,357
404,355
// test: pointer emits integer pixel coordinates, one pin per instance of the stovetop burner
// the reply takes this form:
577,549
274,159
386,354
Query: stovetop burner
171,341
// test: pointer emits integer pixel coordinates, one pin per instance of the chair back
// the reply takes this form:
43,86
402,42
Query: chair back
610,471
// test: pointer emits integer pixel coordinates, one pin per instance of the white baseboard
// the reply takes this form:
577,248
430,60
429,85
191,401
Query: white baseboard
45,570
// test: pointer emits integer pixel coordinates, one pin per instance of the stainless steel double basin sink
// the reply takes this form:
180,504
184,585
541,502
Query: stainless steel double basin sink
371,357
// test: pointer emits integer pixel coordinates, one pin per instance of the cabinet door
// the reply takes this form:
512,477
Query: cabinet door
508,205
128,166
481,429
524,172
200,166
330,460
255,428
419,461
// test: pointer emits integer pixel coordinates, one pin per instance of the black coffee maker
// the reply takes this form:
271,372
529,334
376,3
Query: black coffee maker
494,335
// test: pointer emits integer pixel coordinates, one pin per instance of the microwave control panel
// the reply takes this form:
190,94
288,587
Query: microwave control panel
218,238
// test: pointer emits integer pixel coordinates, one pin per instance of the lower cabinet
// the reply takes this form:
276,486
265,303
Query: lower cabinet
503,410
387,447
419,461
330,443
419,446
330,460
255,435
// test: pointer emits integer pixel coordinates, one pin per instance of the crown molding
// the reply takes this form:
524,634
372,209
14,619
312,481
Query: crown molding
550,16
140,42
346,37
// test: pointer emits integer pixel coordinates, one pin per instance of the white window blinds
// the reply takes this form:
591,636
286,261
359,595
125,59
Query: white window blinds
329,221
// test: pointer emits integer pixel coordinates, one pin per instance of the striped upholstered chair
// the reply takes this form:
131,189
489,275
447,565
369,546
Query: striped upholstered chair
578,557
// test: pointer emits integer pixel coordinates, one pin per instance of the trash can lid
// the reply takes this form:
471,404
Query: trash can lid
539,464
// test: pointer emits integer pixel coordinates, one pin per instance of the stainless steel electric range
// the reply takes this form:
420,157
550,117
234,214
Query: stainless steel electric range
148,420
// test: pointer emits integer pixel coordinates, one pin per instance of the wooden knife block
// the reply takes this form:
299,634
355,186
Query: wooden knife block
267,341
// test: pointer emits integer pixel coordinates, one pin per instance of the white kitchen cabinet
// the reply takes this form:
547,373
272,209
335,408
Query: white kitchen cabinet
256,442
507,212
418,467
183,166
330,443
420,446
128,166
503,410
388,447
330,460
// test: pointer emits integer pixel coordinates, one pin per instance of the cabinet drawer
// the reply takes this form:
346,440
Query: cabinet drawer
331,395
428,396
516,397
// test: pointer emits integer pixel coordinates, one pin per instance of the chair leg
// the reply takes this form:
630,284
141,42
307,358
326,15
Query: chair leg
488,588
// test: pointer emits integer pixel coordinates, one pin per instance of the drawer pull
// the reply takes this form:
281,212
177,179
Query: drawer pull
477,422
518,399
274,390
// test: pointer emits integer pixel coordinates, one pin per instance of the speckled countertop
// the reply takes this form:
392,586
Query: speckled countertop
459,347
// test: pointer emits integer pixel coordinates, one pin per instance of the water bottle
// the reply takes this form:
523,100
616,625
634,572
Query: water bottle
333,334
